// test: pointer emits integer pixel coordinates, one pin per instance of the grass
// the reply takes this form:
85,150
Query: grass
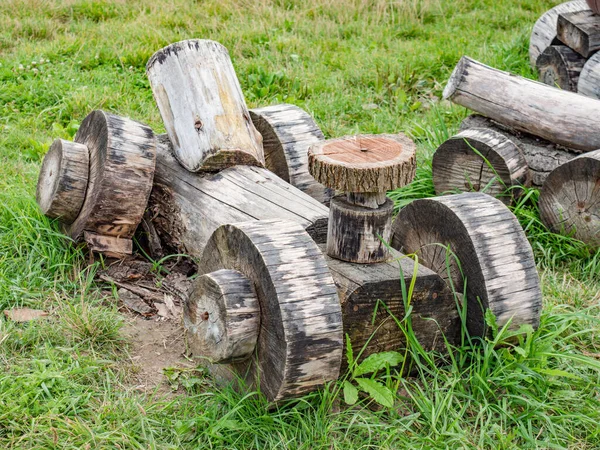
358,66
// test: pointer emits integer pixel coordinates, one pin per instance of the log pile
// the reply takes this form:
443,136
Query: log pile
527,134
564,47
281,280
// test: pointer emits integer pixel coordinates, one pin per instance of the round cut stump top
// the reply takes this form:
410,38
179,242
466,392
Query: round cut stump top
363,163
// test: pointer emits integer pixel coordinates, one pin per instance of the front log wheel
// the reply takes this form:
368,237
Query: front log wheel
496,260
300,338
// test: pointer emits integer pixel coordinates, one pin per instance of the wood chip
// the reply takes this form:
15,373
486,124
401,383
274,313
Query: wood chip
134,302
24,314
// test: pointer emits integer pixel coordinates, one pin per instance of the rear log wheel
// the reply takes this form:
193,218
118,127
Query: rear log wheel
495,259
560,66
300,338
589,79
570,199
481,159
63,180
122,163
287,132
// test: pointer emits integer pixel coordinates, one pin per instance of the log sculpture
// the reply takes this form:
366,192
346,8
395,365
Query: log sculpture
481,159
287,132
559,116
493,257
580,30
543,34
365,167
120,156
570,199
202,106
589,80
560,66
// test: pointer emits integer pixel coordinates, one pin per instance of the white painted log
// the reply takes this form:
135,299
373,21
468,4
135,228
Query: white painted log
589,79
543,34
287,132
63,180
202,106
558,116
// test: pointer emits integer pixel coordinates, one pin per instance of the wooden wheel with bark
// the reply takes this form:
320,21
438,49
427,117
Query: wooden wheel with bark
570,199
488,251
288,131
293,312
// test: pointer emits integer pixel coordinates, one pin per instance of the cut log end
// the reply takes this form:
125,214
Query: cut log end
580,30
456,77
559,66
570,199
63,180
221,317
589,78
488,250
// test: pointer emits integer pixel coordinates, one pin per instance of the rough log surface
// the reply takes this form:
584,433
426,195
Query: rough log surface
544,30
559,66
300,341
542,156
185,207
496,258
371,302
570,199
589,79
202,106
221,317
63,180
355,233
558,116
580,30
480,159
364,163
111,246
122,161
287,132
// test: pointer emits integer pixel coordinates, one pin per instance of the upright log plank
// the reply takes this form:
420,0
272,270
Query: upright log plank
580,30
558,116
202,106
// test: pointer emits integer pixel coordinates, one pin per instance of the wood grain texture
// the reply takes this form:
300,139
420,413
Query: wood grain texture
363,163
111,246
481,159
589,79
63,180
300,342
122,161
559,66
542,156
357,234
202,106
559,116
580,30
221,317
186,208
570,199
371,302
494,254
543,34
287,132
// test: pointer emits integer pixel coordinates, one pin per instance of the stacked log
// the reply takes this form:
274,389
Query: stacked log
563,46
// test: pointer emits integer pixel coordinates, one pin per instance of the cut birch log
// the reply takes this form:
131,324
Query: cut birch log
543,34
63,180
122,159
559,66
300,339
589,79
570,199
559,116
287,132
365,167
221,316
488,251
481,159
186,208
542,156
580,30
202,106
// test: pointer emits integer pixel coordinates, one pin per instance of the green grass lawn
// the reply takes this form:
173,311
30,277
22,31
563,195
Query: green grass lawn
358,66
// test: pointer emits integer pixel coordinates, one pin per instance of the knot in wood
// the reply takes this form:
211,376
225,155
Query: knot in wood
363,163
